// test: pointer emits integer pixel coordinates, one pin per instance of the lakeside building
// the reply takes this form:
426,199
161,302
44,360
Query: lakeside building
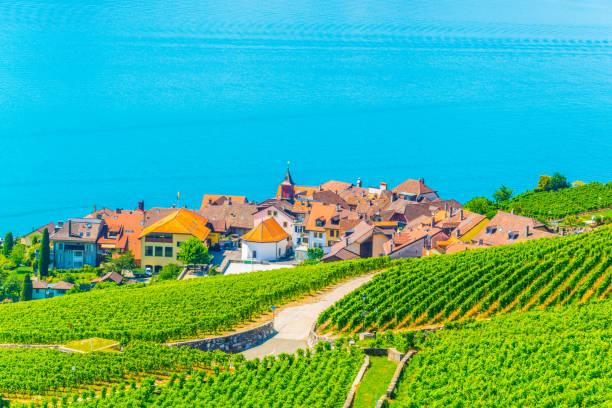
160,242
267,241
75,244
37,234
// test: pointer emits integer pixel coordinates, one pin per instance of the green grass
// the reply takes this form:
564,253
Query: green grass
603,213
96,343
375,382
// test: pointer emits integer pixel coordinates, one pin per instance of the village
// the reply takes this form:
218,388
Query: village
333,221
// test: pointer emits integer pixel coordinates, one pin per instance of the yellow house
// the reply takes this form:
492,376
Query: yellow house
160,242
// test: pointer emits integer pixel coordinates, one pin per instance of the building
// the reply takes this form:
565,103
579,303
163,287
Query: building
506,228
288,190
39,289
321,226
414,243
363,241
219,199
59,288
109,277
284,218
463,225
160,242
75,244
267,241
415,190
28,239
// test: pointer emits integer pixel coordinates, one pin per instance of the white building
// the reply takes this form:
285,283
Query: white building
267,241
287,221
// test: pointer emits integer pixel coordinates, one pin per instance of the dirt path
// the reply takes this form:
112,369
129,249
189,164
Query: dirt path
294,323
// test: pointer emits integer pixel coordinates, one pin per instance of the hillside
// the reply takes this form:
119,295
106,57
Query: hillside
551,358
167,311
546,205
479,283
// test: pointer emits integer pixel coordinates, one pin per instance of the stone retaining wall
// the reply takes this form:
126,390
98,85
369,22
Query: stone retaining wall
314,338
395,379
232,343
41,346
348,403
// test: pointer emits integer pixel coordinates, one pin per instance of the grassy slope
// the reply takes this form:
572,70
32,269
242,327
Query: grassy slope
375,382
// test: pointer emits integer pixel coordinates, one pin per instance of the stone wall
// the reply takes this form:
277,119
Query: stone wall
48,346
314,338
232,343
348,403
395,379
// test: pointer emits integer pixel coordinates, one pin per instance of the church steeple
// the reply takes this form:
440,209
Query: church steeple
288,181
287,190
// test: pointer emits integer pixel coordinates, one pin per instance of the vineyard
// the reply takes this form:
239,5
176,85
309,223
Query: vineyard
320,380
168,311
547,205
46,371
550,358
479,283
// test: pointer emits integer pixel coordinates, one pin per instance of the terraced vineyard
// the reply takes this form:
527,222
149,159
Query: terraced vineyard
25,372
479,283
558,204
550,358
173,310
321,380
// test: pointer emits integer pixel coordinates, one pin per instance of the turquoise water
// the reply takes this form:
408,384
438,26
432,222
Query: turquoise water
111,102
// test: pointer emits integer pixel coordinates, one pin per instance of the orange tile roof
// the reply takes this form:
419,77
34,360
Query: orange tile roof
182,221
266,231
319,211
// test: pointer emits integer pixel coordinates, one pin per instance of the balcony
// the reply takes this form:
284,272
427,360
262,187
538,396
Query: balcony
157,239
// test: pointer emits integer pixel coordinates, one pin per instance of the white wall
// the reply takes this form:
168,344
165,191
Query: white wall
265,251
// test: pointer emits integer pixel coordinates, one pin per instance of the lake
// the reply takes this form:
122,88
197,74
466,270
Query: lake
107,103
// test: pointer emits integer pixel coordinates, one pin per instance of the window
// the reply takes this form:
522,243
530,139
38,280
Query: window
168,252
279,252
148,250
269,212
178,244
285,224
275,213
159,251
254,254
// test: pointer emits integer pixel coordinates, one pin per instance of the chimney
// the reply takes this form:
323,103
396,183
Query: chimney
446,209
173,205
461,214
457,233
527,230
95,208
358,181
347,241
433,221
118,210
383,186
141,205
422,180
229,200
69,228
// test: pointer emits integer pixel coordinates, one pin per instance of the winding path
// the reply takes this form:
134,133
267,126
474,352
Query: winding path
294,323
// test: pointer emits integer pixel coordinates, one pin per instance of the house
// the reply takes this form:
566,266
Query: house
415,190
160,242
109,277
321,226
335,186
122,230
463,225
75,244
267,241
217,199
39,289
229,218
59,288
364,241
284,218
28,239
414,243
506,228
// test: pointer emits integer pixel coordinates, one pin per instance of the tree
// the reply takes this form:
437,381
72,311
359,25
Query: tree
123,262
12,287
26,289
314,254
558,181
169,271
543,183
8,244
18,254
193,252
502,194
481,205
43,264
